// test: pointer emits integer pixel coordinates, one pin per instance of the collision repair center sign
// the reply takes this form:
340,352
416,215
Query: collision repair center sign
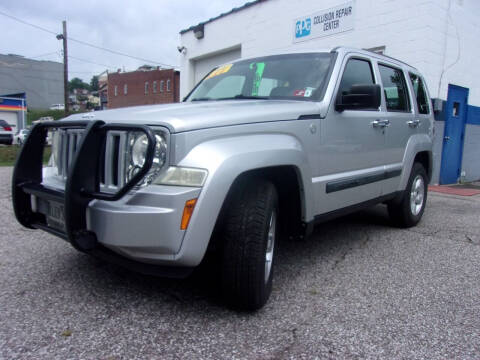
325,22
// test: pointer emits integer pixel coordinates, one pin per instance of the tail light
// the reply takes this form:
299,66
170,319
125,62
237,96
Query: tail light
7,128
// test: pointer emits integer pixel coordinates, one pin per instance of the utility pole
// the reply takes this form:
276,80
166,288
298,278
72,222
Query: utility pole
63,37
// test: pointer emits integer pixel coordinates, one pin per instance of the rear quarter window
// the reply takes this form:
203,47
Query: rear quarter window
420,94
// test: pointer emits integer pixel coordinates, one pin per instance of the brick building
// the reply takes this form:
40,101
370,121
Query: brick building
143,87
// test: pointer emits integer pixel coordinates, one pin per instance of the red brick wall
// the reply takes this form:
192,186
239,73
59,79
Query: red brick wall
135,82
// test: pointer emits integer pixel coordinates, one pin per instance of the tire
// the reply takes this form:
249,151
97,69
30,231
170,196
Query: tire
407,211
248,255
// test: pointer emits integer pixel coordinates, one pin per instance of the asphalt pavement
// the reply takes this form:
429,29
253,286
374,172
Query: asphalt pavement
358,288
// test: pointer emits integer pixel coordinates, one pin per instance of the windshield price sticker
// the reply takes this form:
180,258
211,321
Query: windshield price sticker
221,70
325,22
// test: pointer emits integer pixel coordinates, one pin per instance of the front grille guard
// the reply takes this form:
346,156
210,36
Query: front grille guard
83,180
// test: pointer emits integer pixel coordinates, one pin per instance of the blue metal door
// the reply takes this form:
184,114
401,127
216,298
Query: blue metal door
455,117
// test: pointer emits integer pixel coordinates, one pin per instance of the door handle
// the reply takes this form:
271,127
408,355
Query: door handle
381,123
413,123
446,137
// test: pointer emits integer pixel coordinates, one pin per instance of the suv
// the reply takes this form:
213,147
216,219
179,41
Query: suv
6,133
261,148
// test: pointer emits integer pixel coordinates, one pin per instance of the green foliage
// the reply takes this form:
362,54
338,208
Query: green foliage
33,115
8,154
77,83
94,83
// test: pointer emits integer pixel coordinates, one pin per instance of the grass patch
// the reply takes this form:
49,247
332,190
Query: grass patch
8,154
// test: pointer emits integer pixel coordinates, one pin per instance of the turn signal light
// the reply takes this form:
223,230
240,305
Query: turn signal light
187,213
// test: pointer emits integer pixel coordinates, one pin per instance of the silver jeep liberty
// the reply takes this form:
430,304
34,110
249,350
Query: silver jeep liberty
261,148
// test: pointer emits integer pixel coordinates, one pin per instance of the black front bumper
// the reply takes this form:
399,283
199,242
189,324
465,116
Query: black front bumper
82,186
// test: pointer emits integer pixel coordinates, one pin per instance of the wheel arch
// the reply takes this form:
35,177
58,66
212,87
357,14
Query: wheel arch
418,149
288,182
280,158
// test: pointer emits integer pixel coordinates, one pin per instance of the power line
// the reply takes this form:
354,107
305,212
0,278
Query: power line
84,42
43,55
90,62
120,53
27,23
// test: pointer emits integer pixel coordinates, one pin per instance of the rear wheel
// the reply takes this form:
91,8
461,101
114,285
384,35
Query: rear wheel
249,234
408,210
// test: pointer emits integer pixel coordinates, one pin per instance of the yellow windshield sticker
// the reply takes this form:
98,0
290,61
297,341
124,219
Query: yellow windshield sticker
221,70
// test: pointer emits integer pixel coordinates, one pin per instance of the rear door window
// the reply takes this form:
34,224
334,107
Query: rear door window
394,88
420,94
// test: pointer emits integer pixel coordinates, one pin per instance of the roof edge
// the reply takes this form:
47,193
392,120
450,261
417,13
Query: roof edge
234,10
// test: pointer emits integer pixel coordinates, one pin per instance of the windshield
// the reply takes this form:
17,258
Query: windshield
292,76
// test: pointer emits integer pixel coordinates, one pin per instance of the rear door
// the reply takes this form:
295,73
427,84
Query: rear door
397,109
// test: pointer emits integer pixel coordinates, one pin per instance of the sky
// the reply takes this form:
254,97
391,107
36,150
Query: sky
147,29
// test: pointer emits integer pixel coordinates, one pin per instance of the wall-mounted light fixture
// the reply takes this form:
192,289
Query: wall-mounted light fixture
199,31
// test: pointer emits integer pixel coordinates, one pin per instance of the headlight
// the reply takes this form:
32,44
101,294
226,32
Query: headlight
182,176
136,153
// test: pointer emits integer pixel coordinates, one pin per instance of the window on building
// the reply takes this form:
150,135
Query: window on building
125,89
146,87
161,85
155,87
394,88
115,90
357,72
168,85
420,94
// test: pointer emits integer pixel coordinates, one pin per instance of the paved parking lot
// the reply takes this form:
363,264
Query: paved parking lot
356,289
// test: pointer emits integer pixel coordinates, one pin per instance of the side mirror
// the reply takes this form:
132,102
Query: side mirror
360,97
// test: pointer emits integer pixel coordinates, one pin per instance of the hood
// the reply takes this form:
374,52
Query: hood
180,117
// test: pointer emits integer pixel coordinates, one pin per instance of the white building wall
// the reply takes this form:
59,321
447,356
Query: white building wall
461,64
411,30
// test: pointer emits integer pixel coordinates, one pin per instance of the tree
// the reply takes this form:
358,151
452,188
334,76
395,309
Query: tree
94,83
77,83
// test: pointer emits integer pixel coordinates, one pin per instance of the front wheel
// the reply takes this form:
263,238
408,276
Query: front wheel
408,210
249,234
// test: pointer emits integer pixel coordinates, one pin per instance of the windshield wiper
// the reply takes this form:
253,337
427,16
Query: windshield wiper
243,97
201,99
240,96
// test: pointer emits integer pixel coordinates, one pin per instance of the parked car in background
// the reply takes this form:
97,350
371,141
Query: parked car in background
21,136
6,133
57,107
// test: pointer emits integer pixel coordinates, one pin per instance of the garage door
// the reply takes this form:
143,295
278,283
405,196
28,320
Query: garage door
204,65
10,117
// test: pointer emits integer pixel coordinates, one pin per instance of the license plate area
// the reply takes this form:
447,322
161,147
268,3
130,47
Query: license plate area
54,213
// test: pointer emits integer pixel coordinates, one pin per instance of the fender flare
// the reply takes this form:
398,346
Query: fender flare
226,159
416,144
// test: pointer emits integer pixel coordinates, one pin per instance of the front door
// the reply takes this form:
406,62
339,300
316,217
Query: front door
350,157
455,117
